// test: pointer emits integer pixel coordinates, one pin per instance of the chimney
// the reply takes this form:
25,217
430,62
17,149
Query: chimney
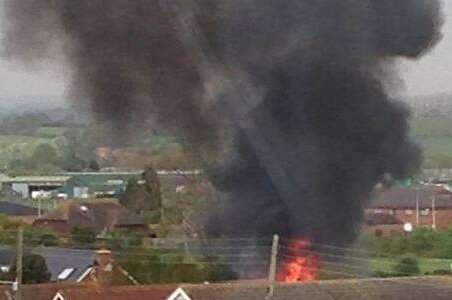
103,267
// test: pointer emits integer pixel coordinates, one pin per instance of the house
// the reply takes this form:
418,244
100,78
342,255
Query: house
413,288
19,212
26,185
64,264
427,206
99,215
45,291
382,224
75,265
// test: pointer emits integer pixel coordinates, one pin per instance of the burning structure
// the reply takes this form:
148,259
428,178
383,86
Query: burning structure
289,101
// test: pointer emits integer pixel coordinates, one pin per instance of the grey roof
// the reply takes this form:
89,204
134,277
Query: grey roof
58,259
14,209
34,179
405,288
405,197
7,256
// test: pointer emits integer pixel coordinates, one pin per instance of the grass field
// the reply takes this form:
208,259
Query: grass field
385,264
12,146
50,132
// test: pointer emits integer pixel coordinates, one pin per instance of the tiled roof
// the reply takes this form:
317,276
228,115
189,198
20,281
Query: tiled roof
37,291
97,215
148,292
402,197
414,288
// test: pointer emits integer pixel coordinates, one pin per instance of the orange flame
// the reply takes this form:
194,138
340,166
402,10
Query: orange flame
300,267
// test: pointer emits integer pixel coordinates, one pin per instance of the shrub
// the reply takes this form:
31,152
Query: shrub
82,236
407,265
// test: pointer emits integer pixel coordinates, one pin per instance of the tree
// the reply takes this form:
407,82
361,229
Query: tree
83,236
407,265
154,266
44,154
143,197
34,270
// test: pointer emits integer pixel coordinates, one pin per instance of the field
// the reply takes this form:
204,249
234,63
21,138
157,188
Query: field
50,132
14,146
385,264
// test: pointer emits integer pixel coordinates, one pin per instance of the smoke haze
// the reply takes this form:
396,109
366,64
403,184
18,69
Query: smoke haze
293,95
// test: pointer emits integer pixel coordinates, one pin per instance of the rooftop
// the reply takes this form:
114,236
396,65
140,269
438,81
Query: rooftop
405,197
25,179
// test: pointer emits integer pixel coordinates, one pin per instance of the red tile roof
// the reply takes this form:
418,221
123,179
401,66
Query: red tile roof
147,292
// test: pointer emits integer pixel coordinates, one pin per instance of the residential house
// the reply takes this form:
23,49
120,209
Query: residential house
75,265
64,264
403,288
427,206
19,212
100,215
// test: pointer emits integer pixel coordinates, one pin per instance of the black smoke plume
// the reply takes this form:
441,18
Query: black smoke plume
294,96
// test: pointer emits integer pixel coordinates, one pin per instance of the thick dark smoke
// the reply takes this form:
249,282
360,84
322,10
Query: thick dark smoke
299,90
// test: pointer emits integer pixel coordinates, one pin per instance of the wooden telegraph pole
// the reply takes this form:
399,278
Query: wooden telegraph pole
273,266
19,265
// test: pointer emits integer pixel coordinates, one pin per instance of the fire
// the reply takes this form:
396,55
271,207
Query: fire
299,265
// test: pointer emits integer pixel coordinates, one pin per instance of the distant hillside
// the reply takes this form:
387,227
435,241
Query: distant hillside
57,109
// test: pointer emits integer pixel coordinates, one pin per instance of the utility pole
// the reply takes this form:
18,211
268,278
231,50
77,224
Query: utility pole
273,259
273,265
434,211
20,254
417,206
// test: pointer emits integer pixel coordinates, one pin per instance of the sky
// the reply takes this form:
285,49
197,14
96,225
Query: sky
431,75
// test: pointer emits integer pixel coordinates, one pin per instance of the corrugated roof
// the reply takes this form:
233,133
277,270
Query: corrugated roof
405,197
25,179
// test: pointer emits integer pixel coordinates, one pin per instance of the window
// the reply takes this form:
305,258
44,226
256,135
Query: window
408,212
65,273
378,211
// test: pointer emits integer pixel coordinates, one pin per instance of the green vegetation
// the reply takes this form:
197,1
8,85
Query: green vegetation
431,249
34,270
143,197
426,265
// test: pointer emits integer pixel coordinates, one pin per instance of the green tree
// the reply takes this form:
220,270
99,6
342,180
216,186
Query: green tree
407,265
152,266
83,236
143,197
44,154
34,270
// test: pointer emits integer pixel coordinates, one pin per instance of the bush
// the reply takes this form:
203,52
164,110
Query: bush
407,265
83,236
34,270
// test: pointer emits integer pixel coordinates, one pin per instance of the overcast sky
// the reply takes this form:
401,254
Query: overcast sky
432,74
